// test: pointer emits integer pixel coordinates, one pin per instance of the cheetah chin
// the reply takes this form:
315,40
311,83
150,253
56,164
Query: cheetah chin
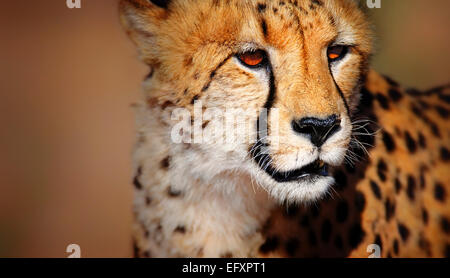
306,183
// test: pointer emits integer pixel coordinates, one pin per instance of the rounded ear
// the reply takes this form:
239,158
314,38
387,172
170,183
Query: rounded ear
141,20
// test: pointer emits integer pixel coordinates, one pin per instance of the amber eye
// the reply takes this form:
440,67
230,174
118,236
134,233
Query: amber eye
337,52
252,58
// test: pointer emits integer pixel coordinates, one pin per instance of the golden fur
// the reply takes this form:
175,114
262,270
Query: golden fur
214,200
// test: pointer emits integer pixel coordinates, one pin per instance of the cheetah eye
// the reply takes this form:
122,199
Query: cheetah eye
337,52
253,59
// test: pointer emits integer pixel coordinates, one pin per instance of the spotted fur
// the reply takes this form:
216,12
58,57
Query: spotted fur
390,156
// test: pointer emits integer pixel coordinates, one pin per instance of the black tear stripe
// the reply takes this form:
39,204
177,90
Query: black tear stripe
256,150
213,73
341,94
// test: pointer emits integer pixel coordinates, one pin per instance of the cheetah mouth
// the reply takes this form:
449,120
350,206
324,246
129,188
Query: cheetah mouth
311,171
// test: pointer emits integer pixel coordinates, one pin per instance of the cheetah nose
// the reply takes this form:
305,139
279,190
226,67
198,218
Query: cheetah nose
317,130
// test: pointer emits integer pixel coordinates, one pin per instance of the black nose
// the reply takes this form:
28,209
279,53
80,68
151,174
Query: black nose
318,130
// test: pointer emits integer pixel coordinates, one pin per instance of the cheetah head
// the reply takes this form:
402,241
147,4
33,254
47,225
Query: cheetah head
294,67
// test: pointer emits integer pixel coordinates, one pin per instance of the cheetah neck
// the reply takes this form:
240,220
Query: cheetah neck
182,212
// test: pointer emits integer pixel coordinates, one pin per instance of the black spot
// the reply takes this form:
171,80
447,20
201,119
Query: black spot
378,241
261,7
326,230
264,27
194,99
398,185
341,179
445,98
403,231
388,141
291,246
342,211
394,94
411,188
304,221
366,98
166,104
360,201
165,163
445,154
375,189
423,104
384,102
389,208
270,244
180,229
434,129
425,244
355,235
422,178
439,192
391,81
442,111
338,242
137,184
148,200
410,143
445,225
422,141
205,124
424,216
312,238
381,169
395,247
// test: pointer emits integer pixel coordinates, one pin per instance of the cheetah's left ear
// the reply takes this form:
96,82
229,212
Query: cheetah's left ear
141,20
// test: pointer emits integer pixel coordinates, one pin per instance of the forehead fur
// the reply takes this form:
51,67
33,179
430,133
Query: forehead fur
189,36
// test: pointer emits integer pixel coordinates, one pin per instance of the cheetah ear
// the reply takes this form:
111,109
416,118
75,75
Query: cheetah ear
141,20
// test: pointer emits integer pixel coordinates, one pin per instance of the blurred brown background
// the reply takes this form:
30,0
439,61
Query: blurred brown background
68,78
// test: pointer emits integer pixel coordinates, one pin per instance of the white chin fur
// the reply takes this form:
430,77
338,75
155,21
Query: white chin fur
303,191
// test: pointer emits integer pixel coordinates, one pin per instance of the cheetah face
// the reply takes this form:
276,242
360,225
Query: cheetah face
295,67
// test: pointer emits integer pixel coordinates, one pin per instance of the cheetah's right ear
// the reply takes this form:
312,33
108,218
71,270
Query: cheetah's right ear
141,20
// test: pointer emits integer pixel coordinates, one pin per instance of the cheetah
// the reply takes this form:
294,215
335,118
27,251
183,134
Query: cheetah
352,159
